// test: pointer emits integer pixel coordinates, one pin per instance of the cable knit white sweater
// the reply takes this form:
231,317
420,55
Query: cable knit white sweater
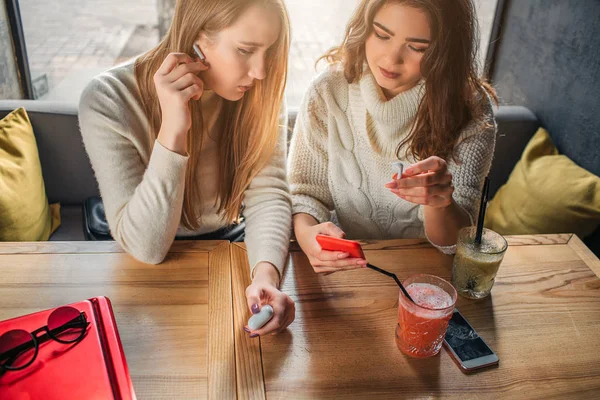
343,146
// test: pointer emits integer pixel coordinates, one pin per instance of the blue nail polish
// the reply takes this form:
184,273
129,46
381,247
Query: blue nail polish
253,335
255,309
247,330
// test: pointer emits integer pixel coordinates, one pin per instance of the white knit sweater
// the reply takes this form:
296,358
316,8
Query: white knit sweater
344,143
142,182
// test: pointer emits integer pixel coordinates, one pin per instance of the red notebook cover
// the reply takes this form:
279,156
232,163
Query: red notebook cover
94,368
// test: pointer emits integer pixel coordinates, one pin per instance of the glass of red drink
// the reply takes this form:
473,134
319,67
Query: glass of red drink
422,325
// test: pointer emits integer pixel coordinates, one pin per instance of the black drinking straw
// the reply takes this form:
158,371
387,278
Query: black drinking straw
484,199
393,276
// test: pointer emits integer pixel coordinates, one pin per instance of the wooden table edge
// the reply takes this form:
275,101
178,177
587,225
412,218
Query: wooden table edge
585,254
96,247
99,247
250,380
404,244
221,346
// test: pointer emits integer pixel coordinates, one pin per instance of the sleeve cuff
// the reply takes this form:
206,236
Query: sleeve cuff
271,255
421,213
321,215
279,271
449,250
471,218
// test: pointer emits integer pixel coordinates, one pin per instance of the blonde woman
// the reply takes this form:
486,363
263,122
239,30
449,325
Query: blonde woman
180,147
402,87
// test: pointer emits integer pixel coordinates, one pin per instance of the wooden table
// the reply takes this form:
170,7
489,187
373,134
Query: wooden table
174,319
542,319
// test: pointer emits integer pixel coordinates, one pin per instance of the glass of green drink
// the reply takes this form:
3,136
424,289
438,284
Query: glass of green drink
475,265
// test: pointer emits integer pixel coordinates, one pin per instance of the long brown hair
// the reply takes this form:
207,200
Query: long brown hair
454,94
250,126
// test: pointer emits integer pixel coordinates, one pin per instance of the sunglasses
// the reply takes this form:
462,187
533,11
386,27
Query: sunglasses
19,348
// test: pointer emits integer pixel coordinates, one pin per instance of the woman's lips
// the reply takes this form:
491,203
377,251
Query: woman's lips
388,74
245,88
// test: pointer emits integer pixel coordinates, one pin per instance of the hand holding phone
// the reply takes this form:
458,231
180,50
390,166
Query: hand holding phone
465,346
316,240
336,244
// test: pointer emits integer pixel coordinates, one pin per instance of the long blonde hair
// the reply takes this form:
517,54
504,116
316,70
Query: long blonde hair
250,126
453,91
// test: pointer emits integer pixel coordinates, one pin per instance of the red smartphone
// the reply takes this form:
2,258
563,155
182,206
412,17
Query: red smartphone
335,244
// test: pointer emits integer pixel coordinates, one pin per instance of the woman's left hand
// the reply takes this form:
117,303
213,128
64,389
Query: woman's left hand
264,290
427,182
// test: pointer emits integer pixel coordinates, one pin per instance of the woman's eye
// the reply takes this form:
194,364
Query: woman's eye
244,52
417,50
381,37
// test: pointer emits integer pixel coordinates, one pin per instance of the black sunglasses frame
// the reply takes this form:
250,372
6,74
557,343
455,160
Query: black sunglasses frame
12,354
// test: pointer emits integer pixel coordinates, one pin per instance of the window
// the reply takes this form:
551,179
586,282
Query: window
69,42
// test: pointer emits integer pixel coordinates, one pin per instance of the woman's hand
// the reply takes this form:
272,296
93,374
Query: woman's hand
324,261
427,182
264,290
176,83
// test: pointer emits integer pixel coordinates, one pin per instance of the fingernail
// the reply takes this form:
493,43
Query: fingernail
255,309
409,171
342,255
247,330
253,335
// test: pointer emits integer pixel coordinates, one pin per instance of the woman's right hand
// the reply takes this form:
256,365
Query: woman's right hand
176,83
324,261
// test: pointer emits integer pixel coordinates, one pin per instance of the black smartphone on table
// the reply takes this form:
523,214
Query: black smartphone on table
466,347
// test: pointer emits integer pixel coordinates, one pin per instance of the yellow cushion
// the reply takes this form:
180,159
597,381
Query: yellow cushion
546,193
24,211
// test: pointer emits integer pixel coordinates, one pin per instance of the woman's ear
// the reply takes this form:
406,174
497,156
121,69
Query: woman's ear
203,41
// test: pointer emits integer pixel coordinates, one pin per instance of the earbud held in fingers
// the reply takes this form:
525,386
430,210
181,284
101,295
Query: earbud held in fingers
398,167
259,320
